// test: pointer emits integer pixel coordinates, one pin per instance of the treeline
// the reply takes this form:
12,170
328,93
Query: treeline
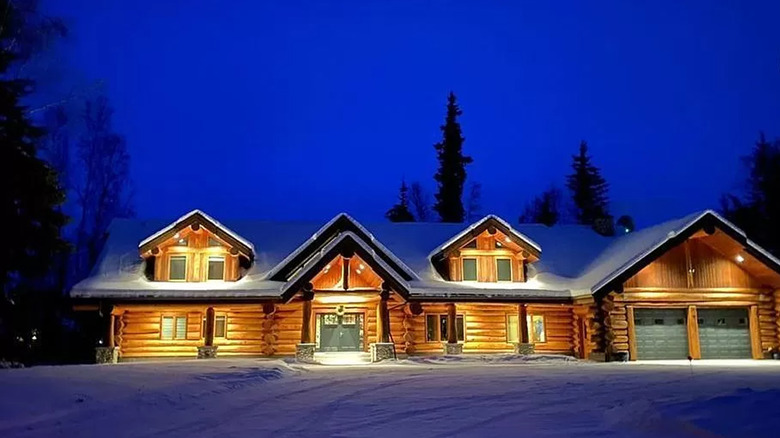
65,177
588,189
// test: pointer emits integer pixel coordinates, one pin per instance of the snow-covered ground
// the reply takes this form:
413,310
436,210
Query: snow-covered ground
497,396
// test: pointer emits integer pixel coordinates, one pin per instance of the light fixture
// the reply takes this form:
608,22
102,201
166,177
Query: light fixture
739,258
176,236
362,266
507,239
182,241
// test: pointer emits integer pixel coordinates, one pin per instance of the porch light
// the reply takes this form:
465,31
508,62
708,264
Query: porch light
362,266
739,258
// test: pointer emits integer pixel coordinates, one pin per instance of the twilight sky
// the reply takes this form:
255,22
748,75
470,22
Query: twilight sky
299,110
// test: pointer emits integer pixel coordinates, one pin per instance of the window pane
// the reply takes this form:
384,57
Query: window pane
431,327
220,326
181,327
178,268
536,328
504,269
511,328
214,242
472,244
469,269
459,328
167,327
216,268
443,327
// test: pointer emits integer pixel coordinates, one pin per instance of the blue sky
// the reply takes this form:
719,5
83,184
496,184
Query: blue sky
299,110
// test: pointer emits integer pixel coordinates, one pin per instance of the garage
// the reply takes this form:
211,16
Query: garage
724,334
661,334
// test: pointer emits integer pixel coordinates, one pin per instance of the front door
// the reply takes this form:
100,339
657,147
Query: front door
340,332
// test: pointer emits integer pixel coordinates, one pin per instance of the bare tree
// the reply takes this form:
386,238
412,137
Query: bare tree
102,185
420,201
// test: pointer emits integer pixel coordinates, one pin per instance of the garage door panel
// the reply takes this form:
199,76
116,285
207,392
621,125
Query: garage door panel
661,333
724,334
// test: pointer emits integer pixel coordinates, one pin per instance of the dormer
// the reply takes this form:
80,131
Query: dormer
196,248
489,251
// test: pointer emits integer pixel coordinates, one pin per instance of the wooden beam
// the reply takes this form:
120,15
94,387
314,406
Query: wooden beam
345,272
694,345
452,334
383,318
111,331
755,334
522,323
306,324
210,322
632,349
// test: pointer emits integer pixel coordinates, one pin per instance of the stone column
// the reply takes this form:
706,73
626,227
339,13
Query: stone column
109,353
304,352
452,346
524,345
209,350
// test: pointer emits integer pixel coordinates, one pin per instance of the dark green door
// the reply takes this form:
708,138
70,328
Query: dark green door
661,334
340,332
724,334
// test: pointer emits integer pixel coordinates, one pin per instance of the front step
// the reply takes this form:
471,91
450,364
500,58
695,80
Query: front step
343,358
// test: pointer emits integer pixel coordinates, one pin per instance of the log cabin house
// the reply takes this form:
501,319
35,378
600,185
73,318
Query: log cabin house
695,286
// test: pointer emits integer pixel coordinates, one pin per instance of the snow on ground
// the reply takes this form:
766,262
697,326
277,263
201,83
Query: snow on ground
476,396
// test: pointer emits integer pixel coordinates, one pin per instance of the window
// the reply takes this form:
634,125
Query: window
214,242
436,328
504,269
536,333
173,327
512,330
469,269
216,269
177,270
220,326
471,245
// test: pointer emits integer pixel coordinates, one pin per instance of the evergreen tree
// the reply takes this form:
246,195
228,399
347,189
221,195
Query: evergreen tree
588,189
544,209
759,213
400,211
31,195
452,166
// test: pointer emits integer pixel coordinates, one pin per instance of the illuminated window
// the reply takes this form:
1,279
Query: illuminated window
469,269
512,329
216,269
503,269
173,327
536,329
220,326
177,270
436,328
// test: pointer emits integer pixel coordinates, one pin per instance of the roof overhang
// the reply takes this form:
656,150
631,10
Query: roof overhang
477,228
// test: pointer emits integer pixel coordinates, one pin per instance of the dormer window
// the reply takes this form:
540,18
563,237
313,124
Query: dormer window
503,269
216,268
177,268
469,269
214,243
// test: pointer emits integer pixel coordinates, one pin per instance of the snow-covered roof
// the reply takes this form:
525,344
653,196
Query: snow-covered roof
576,261
205,216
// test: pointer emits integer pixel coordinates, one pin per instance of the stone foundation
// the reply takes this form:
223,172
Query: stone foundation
305,352
597,356
522,348
106,355
382,351
207,352
453,348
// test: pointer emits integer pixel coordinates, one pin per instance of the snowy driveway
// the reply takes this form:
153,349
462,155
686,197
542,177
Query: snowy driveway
270,398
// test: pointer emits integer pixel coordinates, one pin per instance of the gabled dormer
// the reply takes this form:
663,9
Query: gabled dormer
195,248
489,251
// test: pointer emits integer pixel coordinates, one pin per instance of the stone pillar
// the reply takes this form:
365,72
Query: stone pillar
304,352
452,346
382,351
110,353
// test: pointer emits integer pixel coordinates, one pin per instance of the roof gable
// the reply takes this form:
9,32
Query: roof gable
197,218
486,223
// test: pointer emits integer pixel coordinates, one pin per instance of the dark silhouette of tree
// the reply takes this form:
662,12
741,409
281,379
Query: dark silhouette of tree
474,202
102,189
625,222
544,209
758,213
420,201
400,211
452,166
588,189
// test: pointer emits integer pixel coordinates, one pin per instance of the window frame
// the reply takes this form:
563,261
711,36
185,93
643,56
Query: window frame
217,316
515,331
438,332
529,323
223,259
177,255
511,270
463,269
175,333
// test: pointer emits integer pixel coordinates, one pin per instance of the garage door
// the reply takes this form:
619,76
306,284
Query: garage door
724,334
661,334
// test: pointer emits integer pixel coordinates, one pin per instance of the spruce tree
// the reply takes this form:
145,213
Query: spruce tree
31,195
588,189
400,211
452,166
